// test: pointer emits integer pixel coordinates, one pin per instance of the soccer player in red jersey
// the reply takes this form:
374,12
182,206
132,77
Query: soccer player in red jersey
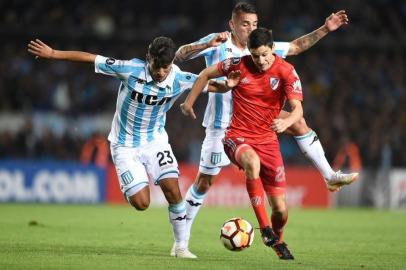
261,84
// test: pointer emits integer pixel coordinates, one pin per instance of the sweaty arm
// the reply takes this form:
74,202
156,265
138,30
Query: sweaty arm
41,49
332,23
189,51
200,83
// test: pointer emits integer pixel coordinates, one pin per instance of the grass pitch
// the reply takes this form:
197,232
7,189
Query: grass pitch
117,237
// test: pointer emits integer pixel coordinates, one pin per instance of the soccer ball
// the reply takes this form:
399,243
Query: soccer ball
236,234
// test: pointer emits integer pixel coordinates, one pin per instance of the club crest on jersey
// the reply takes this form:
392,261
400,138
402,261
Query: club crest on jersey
274,82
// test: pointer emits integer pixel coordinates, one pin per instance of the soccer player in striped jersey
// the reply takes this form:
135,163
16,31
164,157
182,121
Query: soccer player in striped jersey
138,140
220,46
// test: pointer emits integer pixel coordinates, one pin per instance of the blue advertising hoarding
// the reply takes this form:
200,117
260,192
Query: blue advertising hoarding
51,182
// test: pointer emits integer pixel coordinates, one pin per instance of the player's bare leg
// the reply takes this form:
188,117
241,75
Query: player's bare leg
203,182
311,147
279,219
250,162
177,216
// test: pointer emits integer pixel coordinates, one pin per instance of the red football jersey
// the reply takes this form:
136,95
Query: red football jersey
259,96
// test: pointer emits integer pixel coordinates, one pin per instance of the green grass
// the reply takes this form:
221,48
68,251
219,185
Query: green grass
117,237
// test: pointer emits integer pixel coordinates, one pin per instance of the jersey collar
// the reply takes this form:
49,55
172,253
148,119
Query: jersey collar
235,48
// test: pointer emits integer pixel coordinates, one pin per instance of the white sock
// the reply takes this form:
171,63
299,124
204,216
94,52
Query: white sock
311,147
194,201
177,217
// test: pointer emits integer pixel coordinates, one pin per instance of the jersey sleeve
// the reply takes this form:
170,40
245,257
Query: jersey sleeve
293,86
116,68
226,66
282,48
206,52
186,81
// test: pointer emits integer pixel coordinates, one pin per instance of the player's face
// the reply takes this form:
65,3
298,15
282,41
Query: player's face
158,73
242,25
263,57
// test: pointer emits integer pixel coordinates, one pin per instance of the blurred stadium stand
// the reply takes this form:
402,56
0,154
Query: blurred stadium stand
354,79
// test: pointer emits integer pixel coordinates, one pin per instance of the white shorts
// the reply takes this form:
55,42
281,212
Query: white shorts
212,156
134,164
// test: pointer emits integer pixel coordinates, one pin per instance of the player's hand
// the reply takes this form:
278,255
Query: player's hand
40,49
233,78
336,20
279,125
218,39
187,110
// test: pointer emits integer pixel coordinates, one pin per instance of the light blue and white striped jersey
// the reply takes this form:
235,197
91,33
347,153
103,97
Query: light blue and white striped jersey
142,103
219,106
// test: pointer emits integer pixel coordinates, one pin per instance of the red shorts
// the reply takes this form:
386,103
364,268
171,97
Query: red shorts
272,171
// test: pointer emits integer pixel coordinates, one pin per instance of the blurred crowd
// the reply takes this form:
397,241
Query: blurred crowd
353,80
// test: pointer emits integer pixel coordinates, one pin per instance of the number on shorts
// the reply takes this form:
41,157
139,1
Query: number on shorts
280,174
164,159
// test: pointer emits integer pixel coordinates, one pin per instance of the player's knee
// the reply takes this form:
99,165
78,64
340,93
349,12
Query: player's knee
252,166
139,205
280,209
299,128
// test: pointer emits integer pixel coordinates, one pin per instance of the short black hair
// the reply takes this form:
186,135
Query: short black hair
243,7
162,51
260,37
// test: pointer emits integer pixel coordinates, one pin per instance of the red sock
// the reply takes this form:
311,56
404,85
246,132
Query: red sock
256,193
278,224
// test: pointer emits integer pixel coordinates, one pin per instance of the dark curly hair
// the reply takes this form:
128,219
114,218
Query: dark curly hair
162,51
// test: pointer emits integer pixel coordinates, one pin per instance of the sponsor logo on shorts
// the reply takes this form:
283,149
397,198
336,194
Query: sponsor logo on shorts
215,157
127,177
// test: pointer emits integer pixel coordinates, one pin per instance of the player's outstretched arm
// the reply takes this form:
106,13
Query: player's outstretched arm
200,83
41,49
188,51
332,23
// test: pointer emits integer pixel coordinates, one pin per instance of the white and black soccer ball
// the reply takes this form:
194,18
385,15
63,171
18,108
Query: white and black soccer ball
237,234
